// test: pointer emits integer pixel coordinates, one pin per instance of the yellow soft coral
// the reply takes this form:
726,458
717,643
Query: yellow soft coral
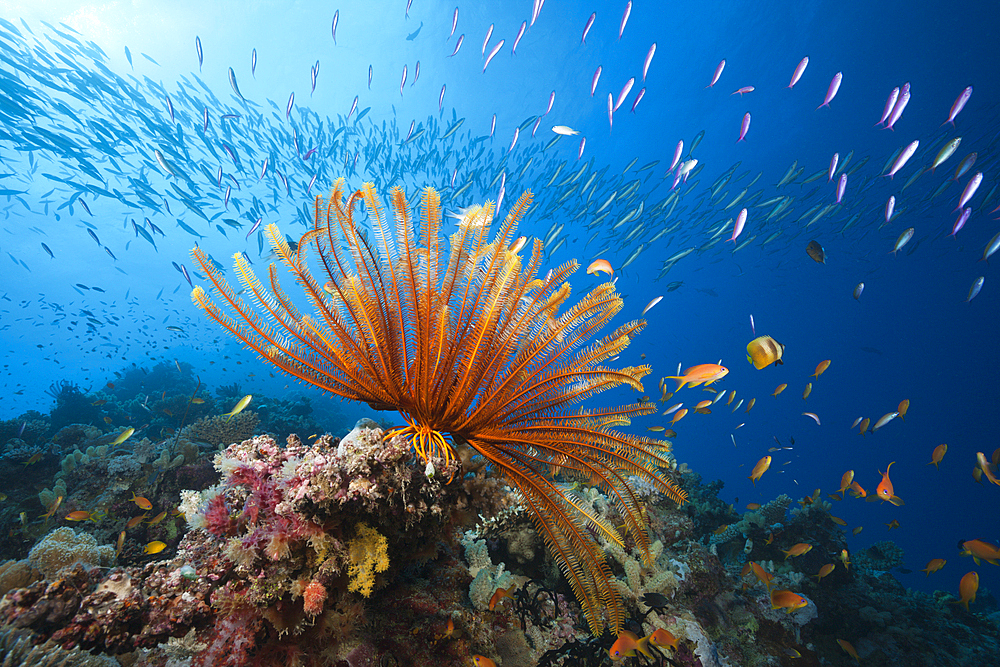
369,553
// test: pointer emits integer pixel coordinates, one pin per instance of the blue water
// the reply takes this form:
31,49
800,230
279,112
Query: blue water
911,335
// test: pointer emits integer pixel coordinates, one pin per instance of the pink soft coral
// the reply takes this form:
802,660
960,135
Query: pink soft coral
313,597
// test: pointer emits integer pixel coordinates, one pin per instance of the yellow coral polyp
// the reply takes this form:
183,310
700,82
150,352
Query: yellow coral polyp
369,554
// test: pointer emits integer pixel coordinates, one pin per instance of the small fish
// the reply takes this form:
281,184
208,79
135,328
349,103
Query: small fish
799,69
482,661
253,63
454,23
841,187
934,565
967,588
815,250
625,15
232,82
564,130
848,649
957,107
741,221
154,547
245,401
586,28
833,167
701,374
858,289
787,600
893,524
197,48
718,72
977,285
970,189
651,304
458,45
744,89
813,416
781,388
35,458
333,26
517,40
648,60
821,368
744,127
904,156
884,491
136,520
903,239
46,249
79,515
904,406
496,50
158,518
140,502
899,106
890,103
501,594
797,550
946,152
825,570
831,91
123,436
960,222
760,469
807,390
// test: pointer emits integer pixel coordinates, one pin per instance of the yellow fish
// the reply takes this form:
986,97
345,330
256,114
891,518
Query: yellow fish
760,469
764,350
934,565
141,503
123,436
245,401
938,454
155,547
787,600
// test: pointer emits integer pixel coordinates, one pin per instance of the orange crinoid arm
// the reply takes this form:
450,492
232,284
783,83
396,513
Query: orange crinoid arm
473,349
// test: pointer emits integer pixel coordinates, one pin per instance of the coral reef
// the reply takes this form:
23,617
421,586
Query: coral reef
64,547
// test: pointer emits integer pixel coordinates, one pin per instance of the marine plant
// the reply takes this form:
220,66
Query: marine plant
469,346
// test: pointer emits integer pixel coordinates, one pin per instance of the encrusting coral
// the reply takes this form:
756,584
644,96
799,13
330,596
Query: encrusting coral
470,348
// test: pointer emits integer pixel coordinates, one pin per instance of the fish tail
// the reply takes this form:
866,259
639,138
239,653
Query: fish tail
681,381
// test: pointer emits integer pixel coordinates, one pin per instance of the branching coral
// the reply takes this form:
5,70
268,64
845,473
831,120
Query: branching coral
369,555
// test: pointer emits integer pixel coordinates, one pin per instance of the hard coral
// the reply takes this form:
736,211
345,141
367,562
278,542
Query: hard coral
63,547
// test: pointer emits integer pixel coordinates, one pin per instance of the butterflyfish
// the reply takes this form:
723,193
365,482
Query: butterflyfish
764,350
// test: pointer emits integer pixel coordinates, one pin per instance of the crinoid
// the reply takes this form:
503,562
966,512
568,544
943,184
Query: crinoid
468,345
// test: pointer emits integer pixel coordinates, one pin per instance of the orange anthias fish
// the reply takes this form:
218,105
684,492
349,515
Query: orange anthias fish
825,570
500,594
857,491
884,490
79,515
980,550
626,646
141,502
938,454
846,480
701,374
661,638
823,365
760,469
797,550
762,575
845,558
893,524
600,266
482,661
848,649
984,465
787,600
967,589
934,565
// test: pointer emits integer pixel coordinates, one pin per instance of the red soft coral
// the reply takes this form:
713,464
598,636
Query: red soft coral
313,598
217,518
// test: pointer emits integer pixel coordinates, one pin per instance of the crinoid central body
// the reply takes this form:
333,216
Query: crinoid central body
471,348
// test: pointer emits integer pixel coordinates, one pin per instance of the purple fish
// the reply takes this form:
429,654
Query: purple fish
517,40
962,219
313,73
205,129
20,431
890,102
458,45
799,69
890,206
593,81
905,155
536,9
744,127
841,186
965,165
741,221
454,23
957,107
354,107
552,99
517,131
586,28
833,167
718,72
311,183
263,169
288,109
308,154
496,50
402,82
489,33
611,112
678,151
369,77
410,133
638,98
184,272
225,201
333,28
218,178
441,97
406,14
831,91
493,125
624,91
416,74
897,108
253,63
970,189
170,108
628,12
647,61
583,142
254,228
535,128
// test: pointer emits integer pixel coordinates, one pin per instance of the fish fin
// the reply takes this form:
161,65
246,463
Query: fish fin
897,501
779,362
